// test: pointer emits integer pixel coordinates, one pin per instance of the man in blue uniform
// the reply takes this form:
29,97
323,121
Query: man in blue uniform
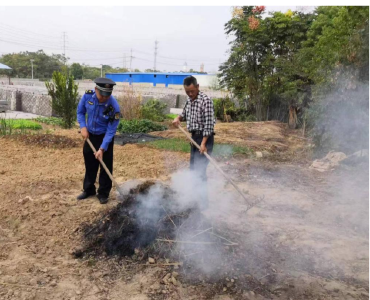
99,126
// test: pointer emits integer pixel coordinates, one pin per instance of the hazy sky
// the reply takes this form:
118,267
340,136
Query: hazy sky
105,35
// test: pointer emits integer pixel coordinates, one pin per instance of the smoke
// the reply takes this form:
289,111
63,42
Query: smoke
308,223
314,223
341,115
186,192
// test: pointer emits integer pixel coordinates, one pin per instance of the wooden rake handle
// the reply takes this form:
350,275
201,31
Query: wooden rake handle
215,164
103,164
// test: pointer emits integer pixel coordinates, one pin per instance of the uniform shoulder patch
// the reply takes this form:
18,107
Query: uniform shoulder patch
116,116
89,92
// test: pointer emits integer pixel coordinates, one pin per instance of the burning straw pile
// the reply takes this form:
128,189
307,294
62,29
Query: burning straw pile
150,223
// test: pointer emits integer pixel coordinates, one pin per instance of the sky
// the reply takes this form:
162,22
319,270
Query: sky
107,35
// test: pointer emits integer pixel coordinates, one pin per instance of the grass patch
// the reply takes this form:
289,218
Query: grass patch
170,144
25,124
180,145
50,121
14,126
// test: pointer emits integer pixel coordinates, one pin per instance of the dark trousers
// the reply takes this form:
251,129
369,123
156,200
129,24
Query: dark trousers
92,166
199,163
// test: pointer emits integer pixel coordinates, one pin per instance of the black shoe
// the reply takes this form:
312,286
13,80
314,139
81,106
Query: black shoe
102,199
84,195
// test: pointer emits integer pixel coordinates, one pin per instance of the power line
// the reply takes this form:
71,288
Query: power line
180,59
14,29
27,44
23,37
18,40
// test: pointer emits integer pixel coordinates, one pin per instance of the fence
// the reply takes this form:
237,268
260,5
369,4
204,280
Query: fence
34,99
36,104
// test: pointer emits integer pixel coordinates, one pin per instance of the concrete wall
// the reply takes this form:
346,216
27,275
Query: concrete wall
170,101
20,100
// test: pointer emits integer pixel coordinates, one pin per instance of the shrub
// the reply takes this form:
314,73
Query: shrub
130,103
221,106
154,110
139,126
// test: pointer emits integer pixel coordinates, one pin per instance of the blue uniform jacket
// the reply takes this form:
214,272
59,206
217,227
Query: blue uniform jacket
102,118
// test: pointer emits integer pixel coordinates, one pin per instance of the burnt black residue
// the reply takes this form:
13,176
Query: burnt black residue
125,227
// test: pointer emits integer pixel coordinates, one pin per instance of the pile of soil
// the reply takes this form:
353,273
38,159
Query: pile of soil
46,140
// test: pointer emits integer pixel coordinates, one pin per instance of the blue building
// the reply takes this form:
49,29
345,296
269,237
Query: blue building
154,78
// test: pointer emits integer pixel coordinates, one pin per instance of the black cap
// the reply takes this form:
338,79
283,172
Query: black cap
104,85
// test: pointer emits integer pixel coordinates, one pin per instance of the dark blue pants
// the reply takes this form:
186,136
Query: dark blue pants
92,166
199,163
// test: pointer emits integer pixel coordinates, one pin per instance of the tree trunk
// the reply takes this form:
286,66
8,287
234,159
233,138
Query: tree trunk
292,123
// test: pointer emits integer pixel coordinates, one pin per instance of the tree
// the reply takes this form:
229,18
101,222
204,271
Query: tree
262,64
64,95
43,65
336,57
90,72
76,71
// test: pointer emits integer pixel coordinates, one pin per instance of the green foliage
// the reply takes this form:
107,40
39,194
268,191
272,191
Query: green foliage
298,62
25,124
262,62
76,71
64,94
221,106
50,121
43,65
139,126
171,116
154,110
12,126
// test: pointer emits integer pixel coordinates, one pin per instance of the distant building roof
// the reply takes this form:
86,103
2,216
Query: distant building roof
5,67
158,73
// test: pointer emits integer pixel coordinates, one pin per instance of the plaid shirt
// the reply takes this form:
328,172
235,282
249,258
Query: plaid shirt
199,114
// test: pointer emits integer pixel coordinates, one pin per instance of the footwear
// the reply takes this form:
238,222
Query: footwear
84,195
102,199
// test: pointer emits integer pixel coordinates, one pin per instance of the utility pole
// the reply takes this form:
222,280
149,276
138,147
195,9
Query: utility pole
64,47
101,71
32,60
131,61
155,55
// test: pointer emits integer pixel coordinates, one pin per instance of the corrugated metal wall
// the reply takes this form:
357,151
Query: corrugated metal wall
154,78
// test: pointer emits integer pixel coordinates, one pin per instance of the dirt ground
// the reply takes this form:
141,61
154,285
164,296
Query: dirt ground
306,236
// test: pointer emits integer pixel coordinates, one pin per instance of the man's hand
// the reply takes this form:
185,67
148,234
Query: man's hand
203,148
99,154
176,121
84,133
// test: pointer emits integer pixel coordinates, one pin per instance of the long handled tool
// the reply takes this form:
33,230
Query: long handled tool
215,164
105,168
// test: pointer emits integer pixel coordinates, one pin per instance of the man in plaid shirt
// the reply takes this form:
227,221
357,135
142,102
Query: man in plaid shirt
200,121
